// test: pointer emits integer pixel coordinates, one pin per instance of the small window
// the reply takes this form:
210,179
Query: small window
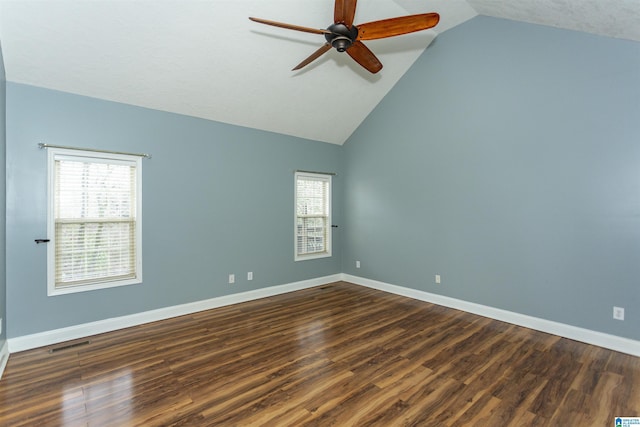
94,221
313,216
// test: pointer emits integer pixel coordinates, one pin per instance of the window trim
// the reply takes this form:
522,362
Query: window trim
328,239
99,157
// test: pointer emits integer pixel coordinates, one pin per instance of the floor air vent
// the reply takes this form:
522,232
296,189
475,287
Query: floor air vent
68,346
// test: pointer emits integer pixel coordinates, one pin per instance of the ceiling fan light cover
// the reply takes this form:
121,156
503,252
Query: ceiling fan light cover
341,37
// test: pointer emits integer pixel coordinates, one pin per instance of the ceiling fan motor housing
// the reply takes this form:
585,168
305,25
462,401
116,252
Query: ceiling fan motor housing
341,37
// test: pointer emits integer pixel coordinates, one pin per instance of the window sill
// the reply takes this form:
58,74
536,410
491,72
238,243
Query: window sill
312,256
92,287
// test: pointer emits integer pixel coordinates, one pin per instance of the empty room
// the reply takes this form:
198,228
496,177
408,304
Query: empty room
285,213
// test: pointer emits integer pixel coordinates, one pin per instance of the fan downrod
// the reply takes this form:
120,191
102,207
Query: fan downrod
341,37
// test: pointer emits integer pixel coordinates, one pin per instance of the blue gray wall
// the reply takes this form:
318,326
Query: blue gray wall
217,199
507,160
3,281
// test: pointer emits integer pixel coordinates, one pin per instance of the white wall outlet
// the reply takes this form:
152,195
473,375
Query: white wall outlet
357,264
250,275
618,313
437,278
232,278
0,325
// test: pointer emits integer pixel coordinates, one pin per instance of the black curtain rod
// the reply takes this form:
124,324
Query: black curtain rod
147,156
319,173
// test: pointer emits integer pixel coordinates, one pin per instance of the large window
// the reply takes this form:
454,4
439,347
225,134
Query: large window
94,222
313,216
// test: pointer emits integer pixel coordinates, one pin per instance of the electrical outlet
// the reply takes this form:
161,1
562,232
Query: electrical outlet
618,313
232,278
0,325
250,275
357,264
437,278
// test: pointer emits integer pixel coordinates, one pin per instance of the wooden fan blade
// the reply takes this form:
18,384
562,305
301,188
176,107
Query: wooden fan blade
363,56
344,11
290,27
397,26
315,55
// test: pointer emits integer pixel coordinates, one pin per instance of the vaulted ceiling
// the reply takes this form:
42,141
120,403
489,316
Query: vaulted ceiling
204,58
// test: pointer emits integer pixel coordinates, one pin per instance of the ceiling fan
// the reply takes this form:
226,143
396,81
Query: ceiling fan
346,37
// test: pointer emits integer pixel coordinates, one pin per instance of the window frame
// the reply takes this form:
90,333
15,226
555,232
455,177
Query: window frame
55,154
328,229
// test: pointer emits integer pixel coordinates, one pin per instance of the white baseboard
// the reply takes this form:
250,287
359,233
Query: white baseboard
55,336
612,342
4,357
27,342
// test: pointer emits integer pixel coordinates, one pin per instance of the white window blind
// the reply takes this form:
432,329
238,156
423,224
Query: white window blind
95,222
313,216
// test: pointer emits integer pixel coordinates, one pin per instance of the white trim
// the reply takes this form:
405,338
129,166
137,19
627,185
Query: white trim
612,342
78,155
27,342
4,357
55,336
328,226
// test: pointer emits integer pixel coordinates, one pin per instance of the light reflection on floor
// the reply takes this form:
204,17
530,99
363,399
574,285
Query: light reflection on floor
112,397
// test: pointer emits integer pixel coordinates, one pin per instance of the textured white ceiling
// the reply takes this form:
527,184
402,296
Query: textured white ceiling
612,18
204,58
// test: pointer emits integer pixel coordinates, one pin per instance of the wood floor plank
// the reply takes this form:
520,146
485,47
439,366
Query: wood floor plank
337,354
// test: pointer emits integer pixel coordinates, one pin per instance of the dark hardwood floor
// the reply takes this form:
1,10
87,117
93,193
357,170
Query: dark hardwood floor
339,354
